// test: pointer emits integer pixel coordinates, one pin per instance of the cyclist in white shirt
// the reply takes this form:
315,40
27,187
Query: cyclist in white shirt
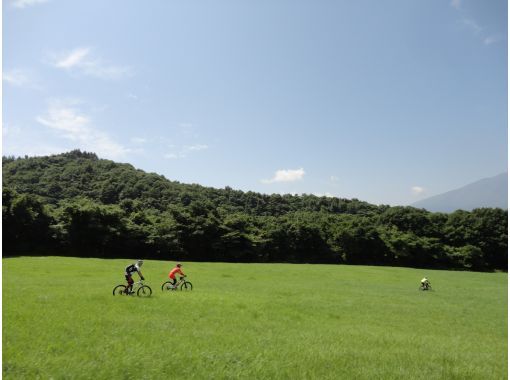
425,283
130,269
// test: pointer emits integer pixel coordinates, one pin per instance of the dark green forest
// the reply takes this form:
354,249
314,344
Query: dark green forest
79,205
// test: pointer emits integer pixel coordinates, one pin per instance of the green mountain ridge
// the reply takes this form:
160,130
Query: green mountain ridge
77,204
55,179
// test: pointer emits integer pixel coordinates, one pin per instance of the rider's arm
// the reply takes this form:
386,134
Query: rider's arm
141,275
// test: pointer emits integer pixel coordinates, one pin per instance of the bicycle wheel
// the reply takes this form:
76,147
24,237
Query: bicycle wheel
166,286
186,286
119,290
144,291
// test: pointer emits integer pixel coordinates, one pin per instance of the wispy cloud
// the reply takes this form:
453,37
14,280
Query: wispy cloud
138,140
20,4
82,60
73,58
456,4
289,175
417,190
16,77
184,151
492,40
472,25
72,124
326,194
19,141
195,147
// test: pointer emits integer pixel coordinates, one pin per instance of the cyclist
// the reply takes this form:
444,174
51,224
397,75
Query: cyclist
425,283
130,269
175,270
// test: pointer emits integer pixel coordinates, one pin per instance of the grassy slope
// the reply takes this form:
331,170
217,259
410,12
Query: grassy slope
251,321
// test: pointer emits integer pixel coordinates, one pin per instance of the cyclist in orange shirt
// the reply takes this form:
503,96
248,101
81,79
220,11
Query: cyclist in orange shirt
172,273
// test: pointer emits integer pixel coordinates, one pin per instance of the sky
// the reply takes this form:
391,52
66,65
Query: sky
386,101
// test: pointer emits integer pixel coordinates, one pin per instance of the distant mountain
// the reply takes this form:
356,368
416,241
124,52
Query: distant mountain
487,192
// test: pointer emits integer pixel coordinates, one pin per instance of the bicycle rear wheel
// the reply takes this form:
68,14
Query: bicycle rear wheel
186,286
167,286
144,291
119,290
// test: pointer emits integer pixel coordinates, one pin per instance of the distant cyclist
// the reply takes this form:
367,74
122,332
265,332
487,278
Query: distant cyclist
425,283
176,269
130,269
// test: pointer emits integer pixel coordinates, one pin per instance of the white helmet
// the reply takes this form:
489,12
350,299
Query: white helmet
139,262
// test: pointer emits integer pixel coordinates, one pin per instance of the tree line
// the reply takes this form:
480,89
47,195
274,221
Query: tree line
77,204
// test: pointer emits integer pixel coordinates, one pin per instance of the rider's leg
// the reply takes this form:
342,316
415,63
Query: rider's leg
130,284
174,281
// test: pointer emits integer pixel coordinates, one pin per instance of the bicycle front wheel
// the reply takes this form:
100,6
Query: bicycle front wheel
166,286
186,286
119,290
144,291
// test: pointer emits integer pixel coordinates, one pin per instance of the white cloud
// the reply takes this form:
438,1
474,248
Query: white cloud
185,151
26,3
326,194
286,176
491,40
472,25
334,178
196,147
82,60
18,142
71,124
16,77
456,4
30,149
417,190
73,58
138,140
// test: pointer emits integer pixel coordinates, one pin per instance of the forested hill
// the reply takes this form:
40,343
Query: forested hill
81,174
77,204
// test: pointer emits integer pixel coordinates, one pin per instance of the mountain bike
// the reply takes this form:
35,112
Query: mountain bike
139,288
425,287
182,284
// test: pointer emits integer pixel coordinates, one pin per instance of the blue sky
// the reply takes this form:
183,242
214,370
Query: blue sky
385,101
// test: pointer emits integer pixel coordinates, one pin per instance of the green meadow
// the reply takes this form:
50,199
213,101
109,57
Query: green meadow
251,321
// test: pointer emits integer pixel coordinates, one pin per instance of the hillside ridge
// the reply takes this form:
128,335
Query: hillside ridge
79,205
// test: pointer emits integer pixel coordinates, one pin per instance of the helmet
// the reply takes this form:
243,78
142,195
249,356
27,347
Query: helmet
139,262
179,265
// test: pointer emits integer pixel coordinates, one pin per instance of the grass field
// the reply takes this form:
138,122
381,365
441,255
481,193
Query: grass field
251,321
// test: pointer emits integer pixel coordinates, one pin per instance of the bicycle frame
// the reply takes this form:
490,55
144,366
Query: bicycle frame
136,285
181,280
